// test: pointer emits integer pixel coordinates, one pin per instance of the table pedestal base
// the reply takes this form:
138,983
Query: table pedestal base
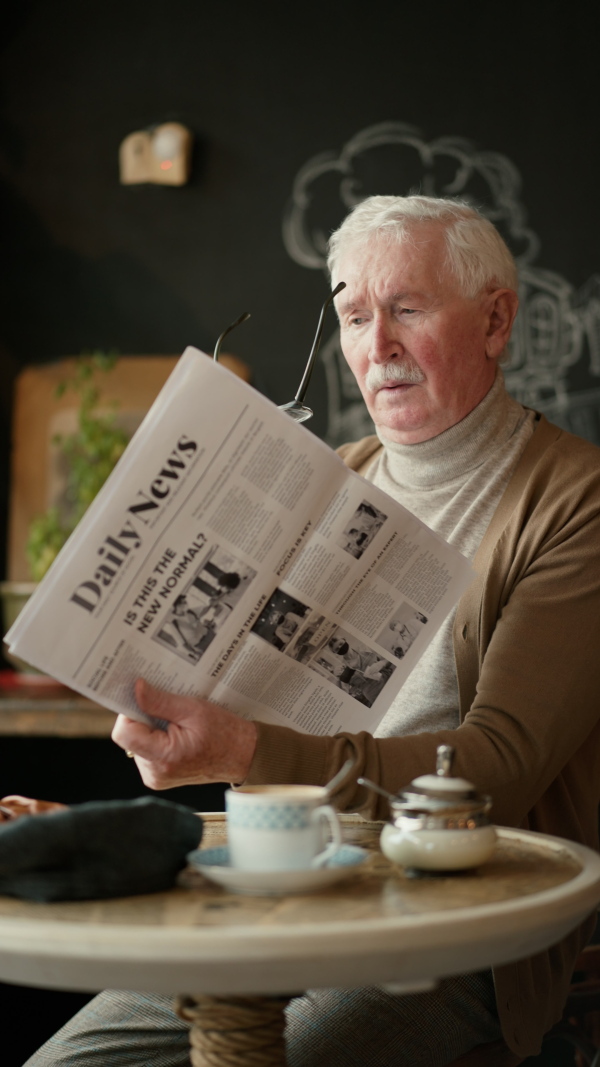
235,1031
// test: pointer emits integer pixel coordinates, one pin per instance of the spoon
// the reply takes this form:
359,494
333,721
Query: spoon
337,778
376,788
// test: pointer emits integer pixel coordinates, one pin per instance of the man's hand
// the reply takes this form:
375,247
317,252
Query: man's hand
13,807
203,742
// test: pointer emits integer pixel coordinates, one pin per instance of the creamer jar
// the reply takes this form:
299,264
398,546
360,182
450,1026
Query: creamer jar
439,822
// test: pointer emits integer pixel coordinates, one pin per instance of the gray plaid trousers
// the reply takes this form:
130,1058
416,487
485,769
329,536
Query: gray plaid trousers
325,1028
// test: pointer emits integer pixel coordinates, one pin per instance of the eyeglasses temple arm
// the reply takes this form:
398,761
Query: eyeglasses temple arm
232,325
317,341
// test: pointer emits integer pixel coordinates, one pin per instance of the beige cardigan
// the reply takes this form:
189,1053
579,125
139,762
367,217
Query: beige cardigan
527,648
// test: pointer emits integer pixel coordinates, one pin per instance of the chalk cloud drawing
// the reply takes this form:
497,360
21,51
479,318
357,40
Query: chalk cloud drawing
555,349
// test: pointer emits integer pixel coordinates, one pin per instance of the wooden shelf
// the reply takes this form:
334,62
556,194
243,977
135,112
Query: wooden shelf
47,709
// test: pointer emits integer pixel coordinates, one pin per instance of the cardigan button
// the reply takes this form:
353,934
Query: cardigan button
464,632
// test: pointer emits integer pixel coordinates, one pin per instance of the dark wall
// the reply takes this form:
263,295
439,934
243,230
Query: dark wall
88,262
498,102
266,88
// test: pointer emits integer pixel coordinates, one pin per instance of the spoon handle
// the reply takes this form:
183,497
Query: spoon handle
376,788
339,777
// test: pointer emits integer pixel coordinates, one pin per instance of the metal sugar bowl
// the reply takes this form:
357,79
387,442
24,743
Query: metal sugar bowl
438,822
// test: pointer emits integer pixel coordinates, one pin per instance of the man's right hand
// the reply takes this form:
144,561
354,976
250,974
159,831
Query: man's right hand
202,743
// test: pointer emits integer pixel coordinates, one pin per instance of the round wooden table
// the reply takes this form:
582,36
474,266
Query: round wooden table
377,927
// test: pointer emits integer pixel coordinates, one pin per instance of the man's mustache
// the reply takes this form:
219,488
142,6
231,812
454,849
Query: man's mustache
400,371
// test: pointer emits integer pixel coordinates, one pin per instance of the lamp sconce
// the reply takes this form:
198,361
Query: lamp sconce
161,156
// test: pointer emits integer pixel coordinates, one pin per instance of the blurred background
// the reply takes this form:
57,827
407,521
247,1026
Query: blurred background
294,116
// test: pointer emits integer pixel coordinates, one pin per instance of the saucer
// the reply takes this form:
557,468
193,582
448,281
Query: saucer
214,864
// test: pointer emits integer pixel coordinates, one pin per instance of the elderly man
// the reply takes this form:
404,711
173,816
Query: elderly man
425,317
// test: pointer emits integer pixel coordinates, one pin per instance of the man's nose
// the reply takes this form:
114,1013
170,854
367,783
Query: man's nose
385,343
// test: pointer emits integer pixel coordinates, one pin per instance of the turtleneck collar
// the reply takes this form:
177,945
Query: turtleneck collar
460,449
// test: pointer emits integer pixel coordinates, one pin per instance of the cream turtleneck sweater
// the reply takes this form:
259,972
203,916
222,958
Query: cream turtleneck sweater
453,483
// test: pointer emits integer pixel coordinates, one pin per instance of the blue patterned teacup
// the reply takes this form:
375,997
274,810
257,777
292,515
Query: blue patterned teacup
280,827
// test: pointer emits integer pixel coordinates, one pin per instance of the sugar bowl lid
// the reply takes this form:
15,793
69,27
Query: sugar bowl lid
440,795
442,785
437,801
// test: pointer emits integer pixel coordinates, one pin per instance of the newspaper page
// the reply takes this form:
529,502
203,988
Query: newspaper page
232,555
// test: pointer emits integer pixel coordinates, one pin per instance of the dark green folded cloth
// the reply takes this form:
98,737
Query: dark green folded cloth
103,849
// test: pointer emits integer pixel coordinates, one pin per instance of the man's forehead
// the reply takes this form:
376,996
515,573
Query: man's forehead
400,268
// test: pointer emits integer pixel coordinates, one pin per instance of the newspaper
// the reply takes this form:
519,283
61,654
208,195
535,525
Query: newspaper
232,555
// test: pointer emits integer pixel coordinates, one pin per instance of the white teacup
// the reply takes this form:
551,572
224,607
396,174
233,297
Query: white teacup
280,827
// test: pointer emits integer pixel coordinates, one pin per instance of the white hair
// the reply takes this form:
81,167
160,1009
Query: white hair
475,251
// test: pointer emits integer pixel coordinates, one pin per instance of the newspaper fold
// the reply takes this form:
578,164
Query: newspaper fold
232,555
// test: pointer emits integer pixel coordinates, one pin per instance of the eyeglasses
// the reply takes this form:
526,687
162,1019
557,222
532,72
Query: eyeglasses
296,408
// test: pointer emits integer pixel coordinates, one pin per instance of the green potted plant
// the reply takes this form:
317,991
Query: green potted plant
88,455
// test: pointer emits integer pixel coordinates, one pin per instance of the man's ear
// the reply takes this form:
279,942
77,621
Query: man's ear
502,309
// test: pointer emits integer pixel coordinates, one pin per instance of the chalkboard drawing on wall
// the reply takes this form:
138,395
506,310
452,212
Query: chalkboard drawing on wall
555,349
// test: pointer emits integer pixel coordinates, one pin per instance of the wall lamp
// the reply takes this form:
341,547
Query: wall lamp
161,156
